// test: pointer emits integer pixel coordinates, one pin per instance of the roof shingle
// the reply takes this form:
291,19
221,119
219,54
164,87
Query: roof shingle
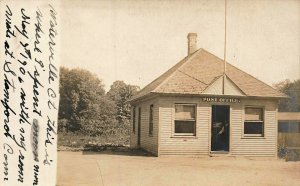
196,72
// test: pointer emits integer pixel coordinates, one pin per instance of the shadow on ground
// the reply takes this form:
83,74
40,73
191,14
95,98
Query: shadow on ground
113,150
91,149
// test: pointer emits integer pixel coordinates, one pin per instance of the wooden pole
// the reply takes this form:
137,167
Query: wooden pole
224,73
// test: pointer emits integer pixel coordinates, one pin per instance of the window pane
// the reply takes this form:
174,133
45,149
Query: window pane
151,114
185,127
254,114
151,120
253,128
183,112
283,127
289,127
150,128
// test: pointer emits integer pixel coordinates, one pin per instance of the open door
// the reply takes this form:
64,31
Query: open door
220,128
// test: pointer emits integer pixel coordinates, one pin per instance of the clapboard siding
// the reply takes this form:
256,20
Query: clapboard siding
264,146
149,143
163,141
171,145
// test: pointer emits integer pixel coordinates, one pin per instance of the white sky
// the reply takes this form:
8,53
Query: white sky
136,41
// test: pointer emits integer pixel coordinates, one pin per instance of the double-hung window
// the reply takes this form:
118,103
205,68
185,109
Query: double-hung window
254,121
185,120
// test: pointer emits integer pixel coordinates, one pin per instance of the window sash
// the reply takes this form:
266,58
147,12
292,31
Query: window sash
185,111
254,122
185,120
179,124
253,114
251,131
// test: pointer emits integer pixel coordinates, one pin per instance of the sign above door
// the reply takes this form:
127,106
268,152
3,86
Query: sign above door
221,100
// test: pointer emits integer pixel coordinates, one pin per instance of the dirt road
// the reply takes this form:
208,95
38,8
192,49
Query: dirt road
110,169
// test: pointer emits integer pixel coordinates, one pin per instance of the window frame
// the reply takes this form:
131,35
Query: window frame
134,119
262,135
151,118
194,120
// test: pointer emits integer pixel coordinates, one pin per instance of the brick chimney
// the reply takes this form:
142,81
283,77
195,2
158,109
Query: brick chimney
192,43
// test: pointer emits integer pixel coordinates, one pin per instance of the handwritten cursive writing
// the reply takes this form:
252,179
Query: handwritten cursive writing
8,15
50,131
36,85
24,24
46,161
36,175
21,167
52,35
9,150
29,99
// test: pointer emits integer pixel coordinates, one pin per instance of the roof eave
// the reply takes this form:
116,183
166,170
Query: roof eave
203,95
144,97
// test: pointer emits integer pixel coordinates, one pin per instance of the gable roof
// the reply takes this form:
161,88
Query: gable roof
229,88
196,72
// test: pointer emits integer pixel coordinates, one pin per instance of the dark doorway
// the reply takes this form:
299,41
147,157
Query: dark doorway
220,128
139,127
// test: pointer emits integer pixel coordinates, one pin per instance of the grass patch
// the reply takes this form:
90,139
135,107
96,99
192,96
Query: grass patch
77,140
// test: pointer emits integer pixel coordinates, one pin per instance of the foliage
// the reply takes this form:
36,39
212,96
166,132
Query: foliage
99,118
291,89
83,103
79,140
86,110
120,93
63,125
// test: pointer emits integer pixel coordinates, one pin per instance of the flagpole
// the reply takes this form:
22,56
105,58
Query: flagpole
224,73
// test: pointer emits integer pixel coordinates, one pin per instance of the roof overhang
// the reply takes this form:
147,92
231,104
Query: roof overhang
143,98
155,94
221,95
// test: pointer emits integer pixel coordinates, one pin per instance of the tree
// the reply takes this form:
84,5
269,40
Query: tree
120,93
99,118
291,89
83,102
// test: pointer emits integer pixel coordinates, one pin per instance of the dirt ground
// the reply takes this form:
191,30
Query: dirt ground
127,168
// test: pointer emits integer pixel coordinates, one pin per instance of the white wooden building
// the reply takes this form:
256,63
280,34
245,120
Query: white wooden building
196,109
